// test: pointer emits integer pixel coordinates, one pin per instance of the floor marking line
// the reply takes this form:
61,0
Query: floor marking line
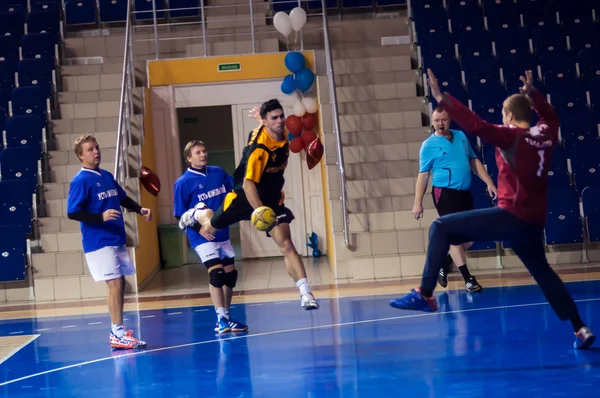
19,332
19,348
68,327
148,316
392,318
95,323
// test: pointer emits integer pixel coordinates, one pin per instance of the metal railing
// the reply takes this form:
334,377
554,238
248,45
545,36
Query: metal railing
125,110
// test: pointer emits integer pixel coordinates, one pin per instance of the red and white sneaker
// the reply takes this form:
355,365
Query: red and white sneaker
126,342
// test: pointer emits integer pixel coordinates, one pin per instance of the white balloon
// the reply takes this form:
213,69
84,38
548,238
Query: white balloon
298,17
283,23
290,100
299,109
310,104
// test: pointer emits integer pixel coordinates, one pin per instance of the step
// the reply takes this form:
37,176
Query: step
68,157
381,121
371,106
108,81
89,110
387,204
374,64
377,78
372,51
65,174
413,137
377,153
61,242
92,125
393,220
64,142
219,21
371,92
55,190
69,288
55,224
382,187
77,97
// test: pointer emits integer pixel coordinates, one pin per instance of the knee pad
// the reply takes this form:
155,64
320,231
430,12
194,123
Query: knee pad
217,277
231,278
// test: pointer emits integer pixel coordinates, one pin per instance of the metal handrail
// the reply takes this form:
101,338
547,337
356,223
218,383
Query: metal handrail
336,126
125,106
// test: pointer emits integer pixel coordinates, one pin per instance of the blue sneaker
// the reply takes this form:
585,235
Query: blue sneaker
237,326
584,338
415,301
223,326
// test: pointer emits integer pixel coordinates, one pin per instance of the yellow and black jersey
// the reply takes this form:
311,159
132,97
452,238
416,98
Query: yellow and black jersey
263,161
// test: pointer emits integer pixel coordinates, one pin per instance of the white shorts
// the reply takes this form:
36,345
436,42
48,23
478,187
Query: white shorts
215,250
110,262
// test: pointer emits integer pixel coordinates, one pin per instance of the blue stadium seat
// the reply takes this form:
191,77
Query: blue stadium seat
594,89
5,94
13,246
11,24
436,41
501,12
474,40
7,74
2,119
446,66
43,22
489,158
40,45
37,72
15,213
453,87
464,14
590,198
585,163
26,130
565,90
9,49
46,6
548,38
515,64
146,5
113,10
16,9
21,164
430,16
575,11
479,66
563,224
80,12
486,93
511,39
577,124
16,190
583,35
30,100
589,62
316,4
386,3
535,13
555,62
184,4
356,3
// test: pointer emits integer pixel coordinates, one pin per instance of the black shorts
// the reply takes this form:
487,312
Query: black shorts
448,201
237,208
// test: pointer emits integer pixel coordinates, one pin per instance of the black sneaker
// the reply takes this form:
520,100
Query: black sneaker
472,285
443,276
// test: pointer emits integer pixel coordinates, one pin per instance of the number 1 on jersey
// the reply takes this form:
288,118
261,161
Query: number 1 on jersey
541,164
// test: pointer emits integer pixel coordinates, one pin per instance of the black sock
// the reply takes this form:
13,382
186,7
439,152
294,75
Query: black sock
449,262
577,323
426,293
465,272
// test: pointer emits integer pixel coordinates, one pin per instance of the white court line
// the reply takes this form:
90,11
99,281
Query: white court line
148,316
95,323
174,313
392,318
19,332
206,309
17,349
42,330
68,327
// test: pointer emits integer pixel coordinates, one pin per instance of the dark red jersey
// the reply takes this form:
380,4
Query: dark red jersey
523,156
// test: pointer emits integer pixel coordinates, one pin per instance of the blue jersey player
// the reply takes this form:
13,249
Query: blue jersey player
209,185
95,200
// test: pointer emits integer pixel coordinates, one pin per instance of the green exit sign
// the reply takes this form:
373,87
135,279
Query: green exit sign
232,67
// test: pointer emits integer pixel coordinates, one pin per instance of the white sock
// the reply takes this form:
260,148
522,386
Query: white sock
221,313
304,286
227,312
117,330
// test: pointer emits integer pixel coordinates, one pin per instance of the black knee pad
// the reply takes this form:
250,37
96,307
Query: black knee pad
231,278
217,277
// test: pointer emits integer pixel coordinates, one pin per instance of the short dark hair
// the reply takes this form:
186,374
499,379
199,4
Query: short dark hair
520,107
269,106
438,109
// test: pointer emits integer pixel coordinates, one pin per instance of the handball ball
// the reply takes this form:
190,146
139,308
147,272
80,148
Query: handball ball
263,218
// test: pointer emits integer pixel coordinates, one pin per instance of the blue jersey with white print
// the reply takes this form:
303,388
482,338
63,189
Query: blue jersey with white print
96,191
209,187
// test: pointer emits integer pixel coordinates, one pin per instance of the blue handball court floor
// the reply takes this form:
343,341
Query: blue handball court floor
502,342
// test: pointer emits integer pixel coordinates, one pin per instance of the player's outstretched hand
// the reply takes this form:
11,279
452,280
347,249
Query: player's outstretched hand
208,231
111,215
146,213
254,113
527,82
436,93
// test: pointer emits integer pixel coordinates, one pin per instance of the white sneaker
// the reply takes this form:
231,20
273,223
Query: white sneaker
188,218
308,302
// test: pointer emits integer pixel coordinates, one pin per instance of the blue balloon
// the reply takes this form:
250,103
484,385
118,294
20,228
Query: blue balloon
291,136
304,79
288,85
294,61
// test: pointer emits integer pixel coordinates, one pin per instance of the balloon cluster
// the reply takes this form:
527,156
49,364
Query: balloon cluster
285,23
301,123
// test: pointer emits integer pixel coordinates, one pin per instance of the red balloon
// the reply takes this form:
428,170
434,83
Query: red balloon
293,124
314,153
297,145
308,137
150,180
309,120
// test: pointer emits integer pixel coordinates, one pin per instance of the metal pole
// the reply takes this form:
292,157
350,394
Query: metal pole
204,28
336,126
302,30
119,157
155,28
252,27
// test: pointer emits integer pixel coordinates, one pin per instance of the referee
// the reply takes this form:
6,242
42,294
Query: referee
447,156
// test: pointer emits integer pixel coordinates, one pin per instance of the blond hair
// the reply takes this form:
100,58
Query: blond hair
520,107
187,151
78,144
